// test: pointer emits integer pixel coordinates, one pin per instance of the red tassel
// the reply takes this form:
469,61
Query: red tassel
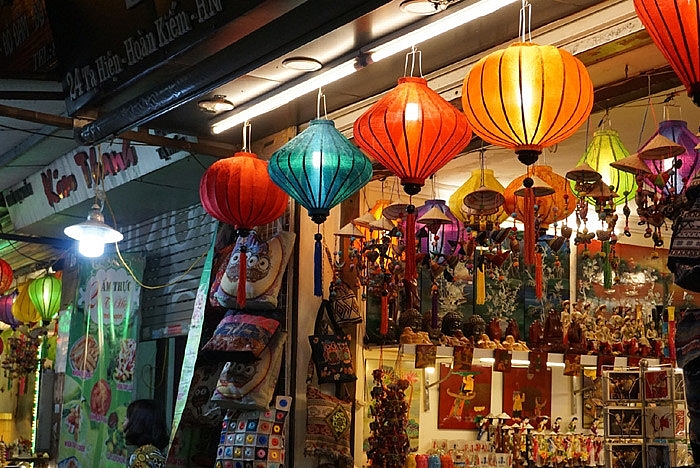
384,322
529,238
538,275
410,272
242,276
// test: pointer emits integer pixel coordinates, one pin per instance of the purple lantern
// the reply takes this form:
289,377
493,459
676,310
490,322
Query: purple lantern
6,316
676,131
442,240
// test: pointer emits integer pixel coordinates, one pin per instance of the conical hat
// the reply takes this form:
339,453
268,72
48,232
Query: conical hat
632,164
540,187
661,147
583,173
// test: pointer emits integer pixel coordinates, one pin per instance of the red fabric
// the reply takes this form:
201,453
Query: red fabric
238,191
412,131
242,277
529,229
410,271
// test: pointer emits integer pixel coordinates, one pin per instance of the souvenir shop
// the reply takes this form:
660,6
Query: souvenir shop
503,277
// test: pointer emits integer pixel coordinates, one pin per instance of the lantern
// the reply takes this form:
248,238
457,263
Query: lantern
673,26
45,294
319,168
6,316
443,228
527,97
413,132
6,276
238,191
23,309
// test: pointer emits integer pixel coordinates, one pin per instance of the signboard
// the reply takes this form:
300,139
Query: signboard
26,43
101,357
71,179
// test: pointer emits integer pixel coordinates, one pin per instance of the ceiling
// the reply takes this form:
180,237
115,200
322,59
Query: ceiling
606,35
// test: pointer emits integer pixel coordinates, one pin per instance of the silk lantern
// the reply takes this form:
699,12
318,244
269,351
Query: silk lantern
319,168
527,97
6,316
45,294
479,178
413,132
445,233
23,309
6,276
238,191
673,26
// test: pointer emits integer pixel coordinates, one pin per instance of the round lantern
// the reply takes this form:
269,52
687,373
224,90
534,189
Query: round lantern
45,294
605,149
551,208
23,309
6,316
413,132
319,168
673,26
527,97
6,276
238,191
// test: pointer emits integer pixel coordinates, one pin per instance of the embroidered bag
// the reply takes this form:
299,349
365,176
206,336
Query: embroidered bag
330,349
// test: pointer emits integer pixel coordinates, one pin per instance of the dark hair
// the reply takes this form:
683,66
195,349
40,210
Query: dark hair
146,424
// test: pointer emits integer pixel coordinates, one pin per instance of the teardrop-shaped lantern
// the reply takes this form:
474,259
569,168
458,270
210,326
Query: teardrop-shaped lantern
6,316
527,97
23,309
605,149
673,26
444,226
319,168
687,157
238,191
413,132
6,276
478,179
45,294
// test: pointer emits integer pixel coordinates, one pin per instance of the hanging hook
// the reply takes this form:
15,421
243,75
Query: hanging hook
414,54
247,132
482,164
525,26
321,99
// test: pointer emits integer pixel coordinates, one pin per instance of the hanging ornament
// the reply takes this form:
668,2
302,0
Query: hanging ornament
319,168
6,316
238,191
673,26
413,132
443,227
6,276
45,294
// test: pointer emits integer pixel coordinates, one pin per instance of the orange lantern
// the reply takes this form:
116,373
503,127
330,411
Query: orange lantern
413,132
673,26
551,208
527,97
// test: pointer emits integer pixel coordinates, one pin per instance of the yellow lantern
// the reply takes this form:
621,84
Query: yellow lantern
23,309
464,213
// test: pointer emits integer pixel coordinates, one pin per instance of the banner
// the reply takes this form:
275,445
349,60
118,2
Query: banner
104,327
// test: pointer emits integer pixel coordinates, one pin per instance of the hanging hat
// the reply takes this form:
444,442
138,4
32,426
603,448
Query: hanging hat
584,174
661,147
631,163
539,187
349,230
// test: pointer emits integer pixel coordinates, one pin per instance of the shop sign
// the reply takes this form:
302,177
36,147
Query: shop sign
26,43
73,178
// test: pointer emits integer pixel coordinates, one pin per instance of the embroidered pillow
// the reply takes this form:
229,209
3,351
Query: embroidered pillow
241,332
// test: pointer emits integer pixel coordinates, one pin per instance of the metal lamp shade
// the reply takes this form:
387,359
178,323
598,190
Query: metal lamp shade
6,316
238,191
319,168
677,132
527,97
551,208
45,294
673,26
6,276
605,149
412,131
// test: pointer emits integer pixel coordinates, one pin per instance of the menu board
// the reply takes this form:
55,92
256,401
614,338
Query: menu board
101,357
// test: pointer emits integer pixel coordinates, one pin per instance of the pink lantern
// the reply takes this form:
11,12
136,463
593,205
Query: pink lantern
6,316
440,243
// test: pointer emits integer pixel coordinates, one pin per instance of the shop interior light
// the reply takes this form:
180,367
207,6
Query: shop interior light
93,234
216,104
294,90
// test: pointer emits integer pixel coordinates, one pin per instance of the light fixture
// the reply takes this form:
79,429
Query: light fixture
93,234
305,64
401,42
216,104
422,7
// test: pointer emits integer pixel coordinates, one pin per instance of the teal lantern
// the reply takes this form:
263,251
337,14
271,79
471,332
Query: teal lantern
319,168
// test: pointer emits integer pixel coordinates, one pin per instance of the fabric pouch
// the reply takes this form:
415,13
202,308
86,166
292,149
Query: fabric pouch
330,349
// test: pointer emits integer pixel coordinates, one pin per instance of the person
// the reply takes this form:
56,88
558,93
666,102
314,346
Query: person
146,428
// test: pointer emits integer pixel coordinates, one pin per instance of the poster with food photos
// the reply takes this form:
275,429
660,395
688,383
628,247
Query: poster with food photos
99,380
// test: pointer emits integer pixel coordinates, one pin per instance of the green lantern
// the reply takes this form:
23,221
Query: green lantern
45,294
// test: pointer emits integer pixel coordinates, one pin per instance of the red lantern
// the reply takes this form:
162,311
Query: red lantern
238,191
413,132
673,26
5,276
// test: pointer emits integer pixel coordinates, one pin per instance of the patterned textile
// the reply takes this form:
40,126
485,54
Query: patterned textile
328,421
147,456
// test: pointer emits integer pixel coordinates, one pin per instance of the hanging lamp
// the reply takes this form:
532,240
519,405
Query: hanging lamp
527,97
413,132
489,210
92,234
6,316
238,191
673,26
45,294
6,276
319,168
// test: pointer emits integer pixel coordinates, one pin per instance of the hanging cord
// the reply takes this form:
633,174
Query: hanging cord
415,55
247,135
321,99
525,22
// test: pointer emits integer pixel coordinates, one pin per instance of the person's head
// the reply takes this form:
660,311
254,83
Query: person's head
145,424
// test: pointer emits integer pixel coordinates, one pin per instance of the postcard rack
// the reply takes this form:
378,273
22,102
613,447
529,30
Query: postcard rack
645,417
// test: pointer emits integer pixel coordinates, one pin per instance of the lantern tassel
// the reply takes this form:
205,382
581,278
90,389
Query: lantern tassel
529,229
318,266
434,307
384,321
539,276
607,266
410,269
480,286
242,276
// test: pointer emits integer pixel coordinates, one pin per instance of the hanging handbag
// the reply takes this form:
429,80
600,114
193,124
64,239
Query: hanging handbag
684,252
330,348
344,304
